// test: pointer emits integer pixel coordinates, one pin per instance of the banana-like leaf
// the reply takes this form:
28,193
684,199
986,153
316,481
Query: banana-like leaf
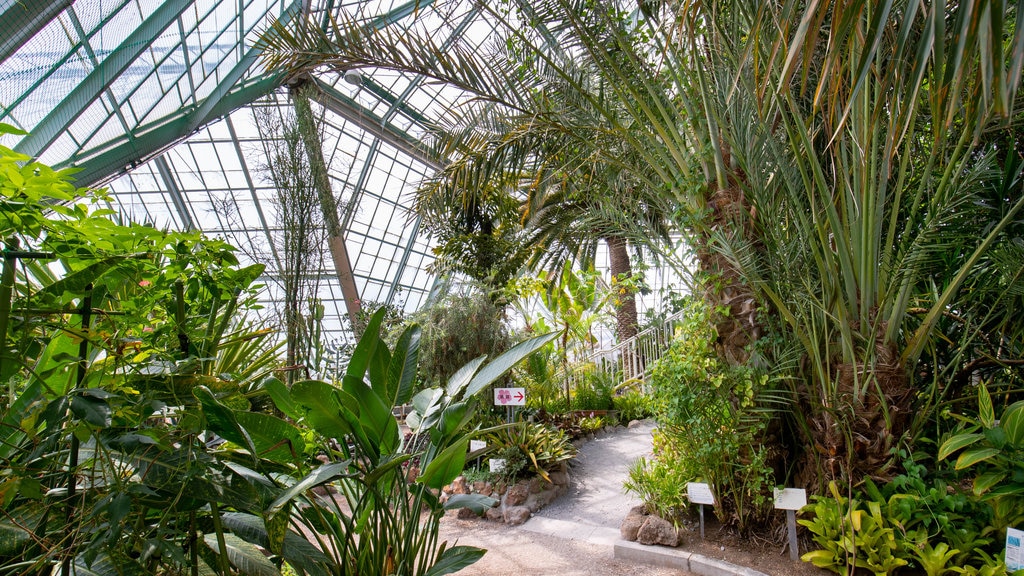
105,565
366,347
402,371
458,382
223,420
282,398
247,558
273,438
446,466
454,559
296,550
476,502
322,475
499,366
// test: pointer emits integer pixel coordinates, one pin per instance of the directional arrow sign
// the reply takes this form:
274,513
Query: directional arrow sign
510,396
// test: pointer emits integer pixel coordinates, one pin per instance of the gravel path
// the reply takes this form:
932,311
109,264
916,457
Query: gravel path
595,494
573,536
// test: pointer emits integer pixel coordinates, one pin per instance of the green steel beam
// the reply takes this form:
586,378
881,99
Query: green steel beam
180,204
212,106
100,79
119,156
23,19
366,120
100,165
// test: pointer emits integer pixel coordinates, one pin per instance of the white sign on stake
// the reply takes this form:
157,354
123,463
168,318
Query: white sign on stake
496,465
475,445
699,493
1014,549
510,396
790,498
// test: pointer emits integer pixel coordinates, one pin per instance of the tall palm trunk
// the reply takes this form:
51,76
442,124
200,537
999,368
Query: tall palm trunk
626,322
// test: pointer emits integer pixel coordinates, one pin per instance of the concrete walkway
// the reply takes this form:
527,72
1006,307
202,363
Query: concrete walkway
578,534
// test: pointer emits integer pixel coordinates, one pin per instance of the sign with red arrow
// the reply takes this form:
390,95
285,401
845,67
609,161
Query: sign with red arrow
510,396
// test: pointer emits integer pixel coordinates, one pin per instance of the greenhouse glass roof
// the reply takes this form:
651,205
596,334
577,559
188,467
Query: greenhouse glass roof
158,101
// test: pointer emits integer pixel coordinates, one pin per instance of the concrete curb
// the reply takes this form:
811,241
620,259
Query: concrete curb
679,559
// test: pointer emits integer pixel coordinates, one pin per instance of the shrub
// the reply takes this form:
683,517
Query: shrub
632,405
542,446
711,424
594,393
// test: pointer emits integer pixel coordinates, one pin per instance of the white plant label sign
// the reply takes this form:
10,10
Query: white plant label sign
1014,549
496,465
699,493
475,445
790,498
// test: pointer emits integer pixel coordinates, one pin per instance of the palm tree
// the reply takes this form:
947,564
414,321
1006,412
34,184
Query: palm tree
823,158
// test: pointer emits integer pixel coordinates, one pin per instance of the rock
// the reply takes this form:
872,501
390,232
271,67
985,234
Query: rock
655,530
517,494
536,485
631,523
466,514
486,489
459,486
412,474
559,478
516,515
538,501
633,424
495,515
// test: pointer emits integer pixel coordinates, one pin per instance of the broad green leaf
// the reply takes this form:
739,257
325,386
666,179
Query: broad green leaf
323,407
454,559
402,372
282,398
458,382
296,550
985,412
221,420
496,368
247,558
273,438
10,427
971,457
1012,423
376,421
365,348
476,502
13,539
984,482
322,475
446,466
91,409
106,565
956,443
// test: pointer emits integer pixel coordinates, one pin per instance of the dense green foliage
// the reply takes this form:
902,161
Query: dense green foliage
456,329
712,422
128,437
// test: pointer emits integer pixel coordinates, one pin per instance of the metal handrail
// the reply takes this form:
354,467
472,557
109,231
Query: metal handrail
630,359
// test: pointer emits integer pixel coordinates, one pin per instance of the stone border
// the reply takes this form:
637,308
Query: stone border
679,559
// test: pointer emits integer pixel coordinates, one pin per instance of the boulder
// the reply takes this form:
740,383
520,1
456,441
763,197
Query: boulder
559,478
655,530
536,485
459,486
517,494
538,501
516,515
631,523
483,488
495,515
466,514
